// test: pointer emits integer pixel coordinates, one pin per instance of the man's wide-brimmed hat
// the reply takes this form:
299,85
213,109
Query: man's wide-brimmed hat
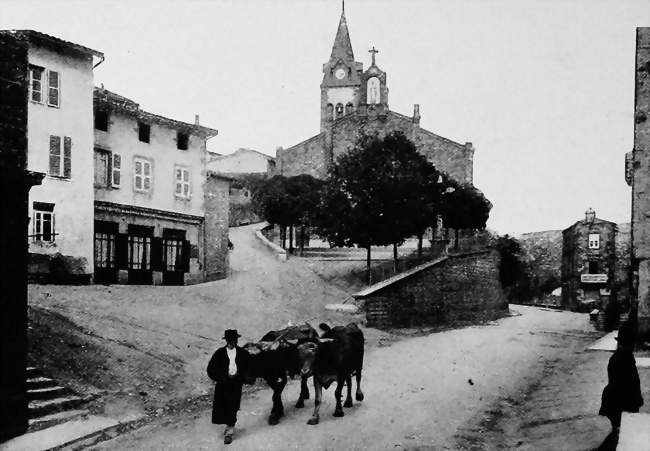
231,334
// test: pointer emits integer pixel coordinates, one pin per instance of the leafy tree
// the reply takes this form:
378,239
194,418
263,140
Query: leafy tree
464,207
513,274
304,195
270,201
376,194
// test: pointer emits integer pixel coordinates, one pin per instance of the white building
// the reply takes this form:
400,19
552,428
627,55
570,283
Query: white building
150,177
60,137
243,161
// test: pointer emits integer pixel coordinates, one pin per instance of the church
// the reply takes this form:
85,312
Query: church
354,101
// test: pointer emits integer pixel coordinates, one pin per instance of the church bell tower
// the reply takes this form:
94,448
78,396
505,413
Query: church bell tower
342,78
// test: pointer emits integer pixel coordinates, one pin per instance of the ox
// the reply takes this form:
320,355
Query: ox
336,356
274,358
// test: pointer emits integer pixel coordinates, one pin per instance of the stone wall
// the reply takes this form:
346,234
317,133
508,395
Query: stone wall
457,289
308,157
448,156
639,176
216,227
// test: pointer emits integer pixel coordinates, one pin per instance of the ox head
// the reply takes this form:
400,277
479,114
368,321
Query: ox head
308,353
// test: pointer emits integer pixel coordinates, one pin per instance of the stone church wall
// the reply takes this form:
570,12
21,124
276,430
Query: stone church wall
450,157
308,157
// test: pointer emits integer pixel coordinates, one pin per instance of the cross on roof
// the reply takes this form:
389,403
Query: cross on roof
373,51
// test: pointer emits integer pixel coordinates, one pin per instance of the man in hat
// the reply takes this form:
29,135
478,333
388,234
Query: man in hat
227,368
623,391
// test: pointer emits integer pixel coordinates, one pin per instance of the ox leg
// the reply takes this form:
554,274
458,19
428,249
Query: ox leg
277,411
348,398
359,394
338,411
318,393
304,393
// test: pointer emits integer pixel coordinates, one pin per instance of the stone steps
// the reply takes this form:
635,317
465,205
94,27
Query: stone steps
36,424
46,393
39,408
48,401
36,383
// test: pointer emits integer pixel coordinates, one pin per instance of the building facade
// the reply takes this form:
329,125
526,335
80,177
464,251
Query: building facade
243,161
150,184
588,272
637,175
59,124
354,102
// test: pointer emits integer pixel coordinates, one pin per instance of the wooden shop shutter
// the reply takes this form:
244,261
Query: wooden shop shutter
122,251
185,256
157,254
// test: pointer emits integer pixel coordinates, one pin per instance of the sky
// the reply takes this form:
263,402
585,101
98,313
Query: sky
543,89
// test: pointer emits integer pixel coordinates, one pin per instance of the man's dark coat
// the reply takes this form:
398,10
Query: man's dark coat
227,390
623,392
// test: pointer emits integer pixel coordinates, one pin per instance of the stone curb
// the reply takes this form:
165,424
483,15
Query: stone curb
280,253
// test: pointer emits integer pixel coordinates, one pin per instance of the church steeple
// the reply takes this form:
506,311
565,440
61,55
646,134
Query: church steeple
342,47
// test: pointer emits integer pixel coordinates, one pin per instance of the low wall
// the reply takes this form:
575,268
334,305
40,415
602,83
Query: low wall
462,288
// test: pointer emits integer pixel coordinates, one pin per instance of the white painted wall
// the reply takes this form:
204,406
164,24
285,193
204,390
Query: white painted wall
73,197
240,162
161,151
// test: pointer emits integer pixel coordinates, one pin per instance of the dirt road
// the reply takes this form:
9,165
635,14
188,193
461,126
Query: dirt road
421,393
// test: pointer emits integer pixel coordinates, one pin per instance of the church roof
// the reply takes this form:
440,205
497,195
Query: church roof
342,47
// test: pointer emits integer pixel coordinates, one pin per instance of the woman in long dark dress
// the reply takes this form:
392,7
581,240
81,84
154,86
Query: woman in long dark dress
227,367
623,391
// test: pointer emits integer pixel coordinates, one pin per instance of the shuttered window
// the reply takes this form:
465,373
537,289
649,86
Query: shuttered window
142,175
36,83
117,170
54,87
60,157
182,182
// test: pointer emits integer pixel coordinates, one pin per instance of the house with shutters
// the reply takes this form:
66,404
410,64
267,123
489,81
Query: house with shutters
59,134
152,195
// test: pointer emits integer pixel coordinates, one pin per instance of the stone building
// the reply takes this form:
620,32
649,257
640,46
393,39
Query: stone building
152,197
59,124
355,101
588,272
637,175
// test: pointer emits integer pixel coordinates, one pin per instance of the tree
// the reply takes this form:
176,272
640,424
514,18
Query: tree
304,195
376,193
288,202
270,201
464,207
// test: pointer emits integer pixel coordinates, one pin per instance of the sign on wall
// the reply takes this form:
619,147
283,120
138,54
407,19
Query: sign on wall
593,278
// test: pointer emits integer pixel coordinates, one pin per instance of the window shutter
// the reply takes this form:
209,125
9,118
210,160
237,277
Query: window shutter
53,91
117,167
185,256
55,155
122,251
156,253
67,156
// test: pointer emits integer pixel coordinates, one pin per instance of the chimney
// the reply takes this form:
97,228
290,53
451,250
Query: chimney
196,119
416,114
590,215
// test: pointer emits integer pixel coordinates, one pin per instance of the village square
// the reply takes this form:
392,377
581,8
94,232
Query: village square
370,266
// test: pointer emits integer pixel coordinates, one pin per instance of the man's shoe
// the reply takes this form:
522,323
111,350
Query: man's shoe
227,439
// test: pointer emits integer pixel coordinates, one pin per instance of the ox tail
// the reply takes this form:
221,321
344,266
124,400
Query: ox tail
324,327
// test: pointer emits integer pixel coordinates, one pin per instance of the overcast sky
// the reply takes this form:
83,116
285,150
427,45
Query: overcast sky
543,89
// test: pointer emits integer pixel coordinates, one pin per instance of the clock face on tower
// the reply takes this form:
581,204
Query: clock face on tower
340,73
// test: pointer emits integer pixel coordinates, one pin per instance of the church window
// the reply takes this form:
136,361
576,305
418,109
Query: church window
339,110
373,90
330,111
349,108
